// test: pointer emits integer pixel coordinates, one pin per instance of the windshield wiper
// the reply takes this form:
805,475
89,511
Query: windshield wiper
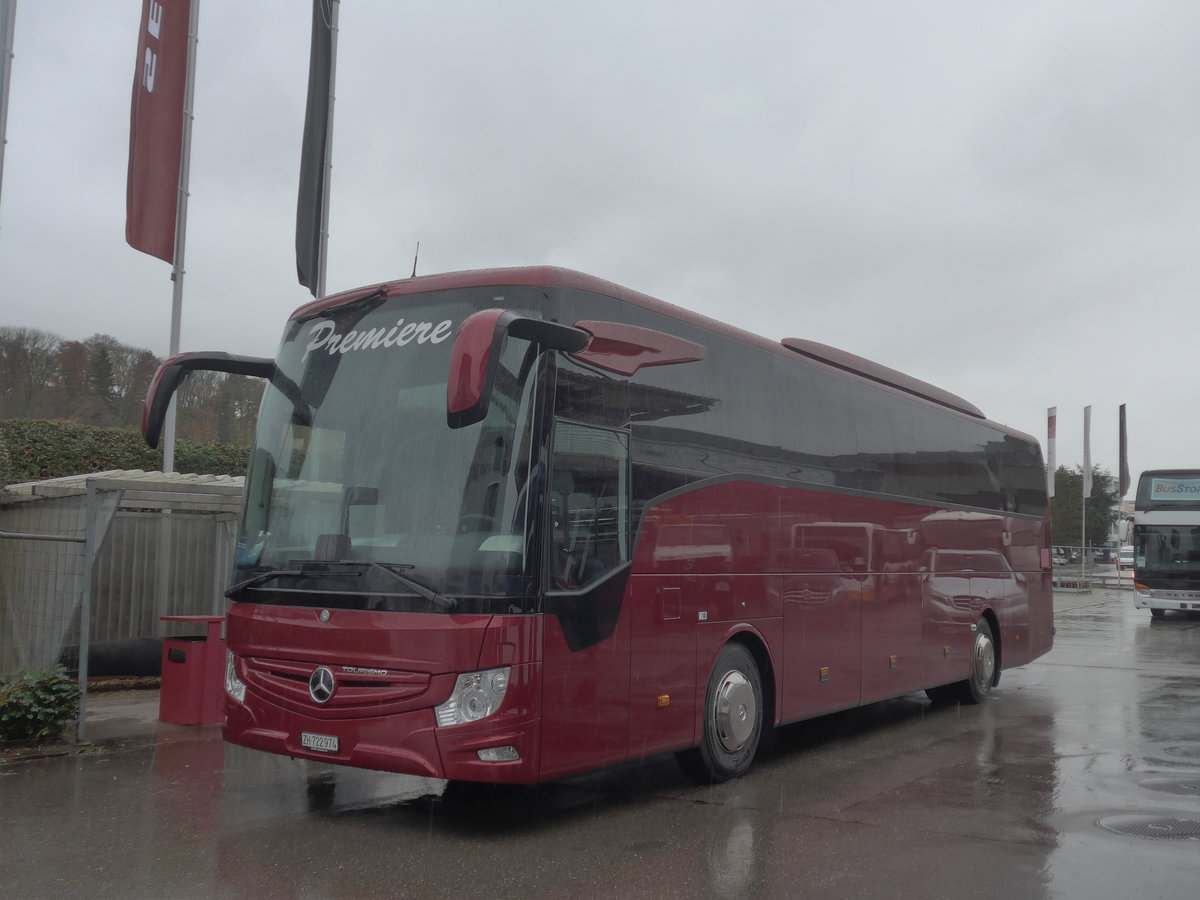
425,591
258,579
312,567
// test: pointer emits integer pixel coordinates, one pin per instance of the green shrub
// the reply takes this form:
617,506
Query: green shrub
37,706
210,459
34,449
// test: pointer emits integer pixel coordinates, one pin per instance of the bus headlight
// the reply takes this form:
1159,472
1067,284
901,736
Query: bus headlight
476,695
234,686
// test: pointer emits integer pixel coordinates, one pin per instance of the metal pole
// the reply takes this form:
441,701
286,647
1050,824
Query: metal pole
1083,541
177,270
8,24
90,547
27,536
327,179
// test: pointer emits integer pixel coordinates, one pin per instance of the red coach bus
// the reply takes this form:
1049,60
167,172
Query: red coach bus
510,525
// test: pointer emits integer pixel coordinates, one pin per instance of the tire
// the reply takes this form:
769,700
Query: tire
1157,613
942,695
733,719
983,666
976,687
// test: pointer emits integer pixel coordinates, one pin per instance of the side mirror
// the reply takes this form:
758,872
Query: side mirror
170,376
1123,531
476,353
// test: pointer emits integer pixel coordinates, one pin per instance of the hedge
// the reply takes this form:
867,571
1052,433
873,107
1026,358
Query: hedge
33,450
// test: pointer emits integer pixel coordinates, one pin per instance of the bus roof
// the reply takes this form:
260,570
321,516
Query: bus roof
1178,489
811,352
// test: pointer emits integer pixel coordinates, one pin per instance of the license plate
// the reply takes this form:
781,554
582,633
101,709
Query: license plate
327,743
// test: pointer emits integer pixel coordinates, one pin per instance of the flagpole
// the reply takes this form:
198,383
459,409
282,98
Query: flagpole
1083,540
1086,486
327,171
8,24
177,269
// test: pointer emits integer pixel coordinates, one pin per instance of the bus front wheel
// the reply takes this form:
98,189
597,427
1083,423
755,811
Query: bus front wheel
733,719
979,683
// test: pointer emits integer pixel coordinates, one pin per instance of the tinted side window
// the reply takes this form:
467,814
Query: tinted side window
589,510
745,411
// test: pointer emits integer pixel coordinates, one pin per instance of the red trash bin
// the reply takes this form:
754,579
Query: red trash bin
193,674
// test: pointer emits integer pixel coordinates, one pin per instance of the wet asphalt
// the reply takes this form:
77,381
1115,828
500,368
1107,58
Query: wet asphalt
1078,778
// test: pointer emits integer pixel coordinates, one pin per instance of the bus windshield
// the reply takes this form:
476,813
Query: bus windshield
358,489
1168,551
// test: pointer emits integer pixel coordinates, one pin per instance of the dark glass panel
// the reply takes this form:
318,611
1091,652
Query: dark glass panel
745,411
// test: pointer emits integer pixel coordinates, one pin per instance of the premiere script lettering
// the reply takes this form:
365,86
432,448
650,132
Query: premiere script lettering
323,336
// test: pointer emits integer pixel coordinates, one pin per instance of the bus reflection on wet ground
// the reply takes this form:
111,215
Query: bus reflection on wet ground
1033,794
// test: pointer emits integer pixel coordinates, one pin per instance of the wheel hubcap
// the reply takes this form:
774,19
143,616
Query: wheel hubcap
735,711
985,661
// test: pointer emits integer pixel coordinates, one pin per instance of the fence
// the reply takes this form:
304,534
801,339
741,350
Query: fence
1083,569
131,590
104,557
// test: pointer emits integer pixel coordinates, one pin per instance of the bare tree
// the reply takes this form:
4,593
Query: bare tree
238,401
135,382
196,406
28,360
116,377
101,381
68,392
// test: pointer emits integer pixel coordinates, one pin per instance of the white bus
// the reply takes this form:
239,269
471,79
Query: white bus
1166,541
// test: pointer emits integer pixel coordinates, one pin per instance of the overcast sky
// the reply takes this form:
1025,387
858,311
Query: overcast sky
999,198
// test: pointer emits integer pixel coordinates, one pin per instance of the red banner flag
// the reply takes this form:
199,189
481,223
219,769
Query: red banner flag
156,128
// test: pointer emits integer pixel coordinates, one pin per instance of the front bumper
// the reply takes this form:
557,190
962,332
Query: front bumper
1156,598
406,742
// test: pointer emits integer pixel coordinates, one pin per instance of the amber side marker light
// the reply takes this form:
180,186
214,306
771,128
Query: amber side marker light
664,700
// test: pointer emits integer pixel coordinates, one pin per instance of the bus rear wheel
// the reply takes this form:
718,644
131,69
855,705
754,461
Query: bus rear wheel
733,719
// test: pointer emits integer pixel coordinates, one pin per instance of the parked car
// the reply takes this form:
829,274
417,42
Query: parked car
1125,558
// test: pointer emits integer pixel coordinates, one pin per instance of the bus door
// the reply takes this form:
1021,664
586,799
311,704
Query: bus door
585,656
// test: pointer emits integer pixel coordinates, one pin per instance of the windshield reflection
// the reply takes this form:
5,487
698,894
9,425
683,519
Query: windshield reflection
1168,550
361,468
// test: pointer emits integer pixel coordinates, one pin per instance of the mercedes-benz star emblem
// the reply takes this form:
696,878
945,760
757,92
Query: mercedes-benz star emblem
321,684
